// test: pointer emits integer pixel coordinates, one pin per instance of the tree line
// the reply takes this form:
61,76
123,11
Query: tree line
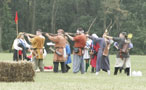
49,15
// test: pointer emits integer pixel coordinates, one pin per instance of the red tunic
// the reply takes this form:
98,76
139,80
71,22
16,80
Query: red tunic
94,57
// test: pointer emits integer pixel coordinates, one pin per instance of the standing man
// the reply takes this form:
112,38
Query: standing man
37,45
80,42
105,58
94,51
122,60
60,44
102,45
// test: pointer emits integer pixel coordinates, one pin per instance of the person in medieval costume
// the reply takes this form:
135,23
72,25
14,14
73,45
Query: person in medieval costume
116,45
123,57
105,63
68,61
102,45
86,55
16,48
37,42
60,51
93,53
80,42
20,46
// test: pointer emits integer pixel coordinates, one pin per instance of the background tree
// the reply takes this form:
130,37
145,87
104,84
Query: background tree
50,15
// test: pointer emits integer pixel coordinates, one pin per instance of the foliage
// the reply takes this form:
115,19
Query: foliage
129,16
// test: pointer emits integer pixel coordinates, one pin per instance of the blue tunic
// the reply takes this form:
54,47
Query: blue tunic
68,52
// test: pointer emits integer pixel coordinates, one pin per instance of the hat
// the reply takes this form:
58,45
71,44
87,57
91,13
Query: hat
80,30
124,33
94,35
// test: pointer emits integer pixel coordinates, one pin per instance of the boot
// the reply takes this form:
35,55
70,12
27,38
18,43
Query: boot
55,67
128,71
87,65
67,68
116,70
63,68
92,70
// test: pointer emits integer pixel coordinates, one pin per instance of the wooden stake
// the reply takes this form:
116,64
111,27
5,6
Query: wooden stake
17,28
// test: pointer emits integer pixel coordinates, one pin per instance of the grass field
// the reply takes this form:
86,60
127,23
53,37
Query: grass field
88,81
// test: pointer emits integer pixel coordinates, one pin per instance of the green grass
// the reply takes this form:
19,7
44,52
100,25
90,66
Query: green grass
88,81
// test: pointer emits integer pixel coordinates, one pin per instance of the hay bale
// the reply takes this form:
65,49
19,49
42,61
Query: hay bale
16,71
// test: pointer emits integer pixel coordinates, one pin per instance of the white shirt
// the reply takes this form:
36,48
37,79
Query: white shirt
17,41
15,44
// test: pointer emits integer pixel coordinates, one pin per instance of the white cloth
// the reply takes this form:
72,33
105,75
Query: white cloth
86,54
89,41
50,44
15,44
45,53
94,35
17,41
86,49
120,63
64,54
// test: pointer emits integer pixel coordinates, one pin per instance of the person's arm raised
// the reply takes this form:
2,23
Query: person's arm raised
28,37
109,37
70,37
